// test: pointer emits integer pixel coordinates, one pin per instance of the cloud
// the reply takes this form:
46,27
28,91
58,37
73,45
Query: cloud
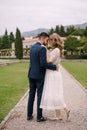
28,15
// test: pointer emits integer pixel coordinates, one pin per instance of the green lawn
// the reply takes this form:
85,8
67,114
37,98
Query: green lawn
14,82
13,85
78,70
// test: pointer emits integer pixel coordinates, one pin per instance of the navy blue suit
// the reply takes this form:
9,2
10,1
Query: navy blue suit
36,74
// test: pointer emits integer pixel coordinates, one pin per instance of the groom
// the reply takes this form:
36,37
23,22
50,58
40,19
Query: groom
36,74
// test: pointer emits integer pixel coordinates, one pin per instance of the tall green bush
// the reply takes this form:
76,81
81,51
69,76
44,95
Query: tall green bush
18,45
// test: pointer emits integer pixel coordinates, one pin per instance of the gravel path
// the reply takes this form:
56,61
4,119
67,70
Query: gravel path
76,100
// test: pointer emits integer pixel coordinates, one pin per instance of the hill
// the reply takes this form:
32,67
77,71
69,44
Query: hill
34,33
82,26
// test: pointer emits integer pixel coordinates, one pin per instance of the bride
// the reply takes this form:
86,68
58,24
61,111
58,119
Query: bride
52,97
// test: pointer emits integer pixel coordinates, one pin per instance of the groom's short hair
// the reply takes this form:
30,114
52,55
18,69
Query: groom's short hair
43,34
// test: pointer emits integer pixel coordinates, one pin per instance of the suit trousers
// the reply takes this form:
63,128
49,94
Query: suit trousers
35,85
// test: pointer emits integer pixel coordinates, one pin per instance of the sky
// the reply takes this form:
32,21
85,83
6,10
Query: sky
28,15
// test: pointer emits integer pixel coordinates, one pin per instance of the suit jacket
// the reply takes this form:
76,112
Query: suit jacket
38,63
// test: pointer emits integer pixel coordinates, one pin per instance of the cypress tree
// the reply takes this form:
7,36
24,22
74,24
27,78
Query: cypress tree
11,38
85,31
62,31
5,40
51,31
57,29
18,45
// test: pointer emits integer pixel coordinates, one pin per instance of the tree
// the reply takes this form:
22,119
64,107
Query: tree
85,47
78,32
71,44
62,31
5,41
85,32
11,38
51,31
83,43
18,45
1,43
70,30
57,29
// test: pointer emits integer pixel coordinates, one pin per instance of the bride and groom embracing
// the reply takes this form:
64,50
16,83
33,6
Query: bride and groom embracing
45,77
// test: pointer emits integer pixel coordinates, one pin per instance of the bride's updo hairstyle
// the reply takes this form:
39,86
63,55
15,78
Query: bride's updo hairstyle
56,42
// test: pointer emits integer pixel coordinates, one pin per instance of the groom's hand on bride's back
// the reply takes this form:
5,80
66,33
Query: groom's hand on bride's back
57,67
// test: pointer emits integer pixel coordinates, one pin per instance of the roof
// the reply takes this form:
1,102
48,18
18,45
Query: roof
29,40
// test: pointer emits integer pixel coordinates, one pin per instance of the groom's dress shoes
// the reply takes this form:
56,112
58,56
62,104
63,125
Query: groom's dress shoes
42,119
30,118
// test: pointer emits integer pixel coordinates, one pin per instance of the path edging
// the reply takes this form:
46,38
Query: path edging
10,113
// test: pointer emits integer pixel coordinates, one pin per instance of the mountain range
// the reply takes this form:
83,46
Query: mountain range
35,32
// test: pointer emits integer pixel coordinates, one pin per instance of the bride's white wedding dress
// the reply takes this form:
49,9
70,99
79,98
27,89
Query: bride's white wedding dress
52,97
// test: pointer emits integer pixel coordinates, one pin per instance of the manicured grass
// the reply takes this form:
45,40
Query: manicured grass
78,70
13,85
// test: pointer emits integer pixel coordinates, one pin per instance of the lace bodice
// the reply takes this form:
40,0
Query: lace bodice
54,56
